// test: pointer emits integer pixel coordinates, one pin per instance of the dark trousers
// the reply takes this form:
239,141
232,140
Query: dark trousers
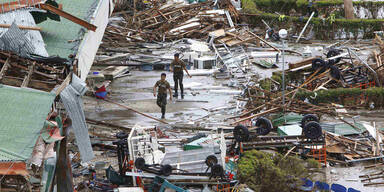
162,102
178,79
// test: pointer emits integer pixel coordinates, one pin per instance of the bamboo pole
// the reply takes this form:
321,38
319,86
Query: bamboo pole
143,114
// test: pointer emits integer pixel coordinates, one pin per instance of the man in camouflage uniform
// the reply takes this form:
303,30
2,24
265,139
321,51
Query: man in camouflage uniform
163,85
177,66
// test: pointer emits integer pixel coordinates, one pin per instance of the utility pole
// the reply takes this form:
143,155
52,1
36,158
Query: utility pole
348,9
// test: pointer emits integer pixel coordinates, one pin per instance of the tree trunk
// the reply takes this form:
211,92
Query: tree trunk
348,9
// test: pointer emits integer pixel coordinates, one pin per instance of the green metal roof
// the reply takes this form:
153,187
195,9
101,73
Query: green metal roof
290,119
343,128
22,115
62,38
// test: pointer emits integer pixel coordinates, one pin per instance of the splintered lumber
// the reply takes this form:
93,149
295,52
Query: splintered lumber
12,6
4,68
257,115
264,41
64,84
310,79
301,63
21,27
369,184
29,75
138,112
112,72
305,27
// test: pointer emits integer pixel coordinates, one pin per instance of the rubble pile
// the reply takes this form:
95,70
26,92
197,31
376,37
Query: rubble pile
168,22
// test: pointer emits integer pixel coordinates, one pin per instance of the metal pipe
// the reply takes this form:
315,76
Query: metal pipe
302,31
283,87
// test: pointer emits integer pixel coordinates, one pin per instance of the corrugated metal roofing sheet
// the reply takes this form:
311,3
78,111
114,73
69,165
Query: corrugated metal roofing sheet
21,41
22,115
63,38
343,128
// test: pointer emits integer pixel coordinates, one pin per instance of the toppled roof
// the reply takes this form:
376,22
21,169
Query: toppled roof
22,115
63,38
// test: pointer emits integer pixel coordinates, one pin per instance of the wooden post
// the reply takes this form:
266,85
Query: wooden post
348,9
63,165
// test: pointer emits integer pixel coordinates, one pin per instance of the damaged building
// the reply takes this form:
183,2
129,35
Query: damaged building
47,49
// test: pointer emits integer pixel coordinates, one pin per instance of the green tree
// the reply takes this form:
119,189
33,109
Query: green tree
267,172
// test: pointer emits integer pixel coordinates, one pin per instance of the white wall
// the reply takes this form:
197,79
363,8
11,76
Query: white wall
92,40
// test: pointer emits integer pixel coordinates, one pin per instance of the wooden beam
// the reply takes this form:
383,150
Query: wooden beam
35,71
35,84
4,68
29,75
257,115
63,169
21,27
263,40
64,84
68,16
14,5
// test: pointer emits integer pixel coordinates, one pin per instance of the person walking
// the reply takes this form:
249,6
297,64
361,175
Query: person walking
177,67
162,86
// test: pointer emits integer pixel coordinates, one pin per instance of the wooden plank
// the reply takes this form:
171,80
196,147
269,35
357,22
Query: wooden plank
68,16
301,63
63,170
225,39
264,41
120,56
14,5
235,36
37,72
113,71
233,42
29,75
64,84
218,33
36,84
256,115
4,68
21,27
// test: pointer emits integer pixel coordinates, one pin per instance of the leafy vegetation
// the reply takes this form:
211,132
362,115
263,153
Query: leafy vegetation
343,96
324,28
265,172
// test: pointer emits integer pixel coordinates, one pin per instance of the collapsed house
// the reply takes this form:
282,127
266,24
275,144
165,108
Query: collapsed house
47,49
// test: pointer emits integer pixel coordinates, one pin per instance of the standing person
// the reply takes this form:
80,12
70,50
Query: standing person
177,67
162,93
